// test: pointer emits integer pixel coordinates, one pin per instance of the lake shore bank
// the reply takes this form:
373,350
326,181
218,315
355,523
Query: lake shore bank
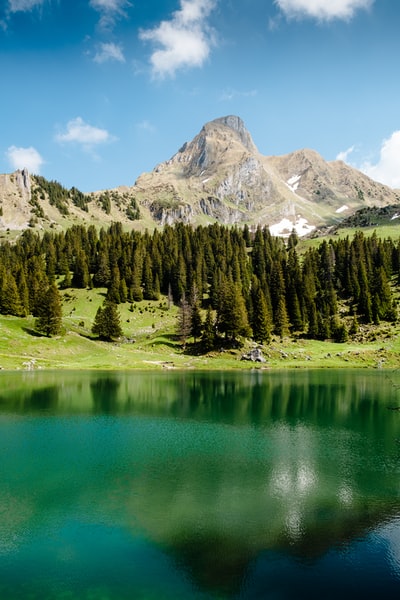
23,349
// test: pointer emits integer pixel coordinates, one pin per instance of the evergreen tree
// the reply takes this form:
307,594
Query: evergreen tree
281,322
37,283
354,327
123,291
208,337
295,291
184,320
196,324
364,300
80,277
232,319
261,321
102,274
10,302
107,322
293,240
23,292
113,292
148,283
339,331
49,320
67,281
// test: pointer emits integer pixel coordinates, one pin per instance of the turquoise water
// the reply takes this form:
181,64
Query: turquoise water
199,485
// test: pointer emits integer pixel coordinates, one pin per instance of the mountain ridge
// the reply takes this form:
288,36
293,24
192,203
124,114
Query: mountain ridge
218,176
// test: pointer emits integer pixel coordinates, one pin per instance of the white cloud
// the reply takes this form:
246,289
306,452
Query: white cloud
79,132
344,155
109,51
183,41
231,94
322,10
387,169
25,158
110,11
23,5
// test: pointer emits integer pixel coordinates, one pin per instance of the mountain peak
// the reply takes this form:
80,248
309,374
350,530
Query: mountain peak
221,140
237,125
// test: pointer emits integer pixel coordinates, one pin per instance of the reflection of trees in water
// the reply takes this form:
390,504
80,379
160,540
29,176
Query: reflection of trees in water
104,394
321,396
43,399
28,400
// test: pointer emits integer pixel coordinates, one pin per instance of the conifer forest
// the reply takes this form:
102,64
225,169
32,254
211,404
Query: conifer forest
229,283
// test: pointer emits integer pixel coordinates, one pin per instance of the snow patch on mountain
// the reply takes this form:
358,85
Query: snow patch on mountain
285,227
293,182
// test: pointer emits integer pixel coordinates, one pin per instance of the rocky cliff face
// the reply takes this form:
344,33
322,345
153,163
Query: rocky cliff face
15,195
26,201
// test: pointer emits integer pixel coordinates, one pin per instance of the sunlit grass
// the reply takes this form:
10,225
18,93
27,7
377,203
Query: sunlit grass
150,342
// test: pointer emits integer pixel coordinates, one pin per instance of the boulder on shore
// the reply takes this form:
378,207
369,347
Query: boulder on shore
254,355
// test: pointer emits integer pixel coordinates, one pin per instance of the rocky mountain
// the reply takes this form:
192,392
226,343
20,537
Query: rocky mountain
218,176
32,201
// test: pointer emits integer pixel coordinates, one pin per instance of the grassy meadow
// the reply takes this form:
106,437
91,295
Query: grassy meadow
150,342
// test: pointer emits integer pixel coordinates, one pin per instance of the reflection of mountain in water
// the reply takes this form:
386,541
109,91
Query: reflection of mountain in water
295,489
218,468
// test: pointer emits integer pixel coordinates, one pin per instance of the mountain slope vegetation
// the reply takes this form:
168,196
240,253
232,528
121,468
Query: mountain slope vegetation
250,285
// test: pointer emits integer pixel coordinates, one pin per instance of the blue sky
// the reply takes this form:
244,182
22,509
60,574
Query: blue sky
95,92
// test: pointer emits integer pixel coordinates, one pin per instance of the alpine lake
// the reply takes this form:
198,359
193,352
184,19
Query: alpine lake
204,485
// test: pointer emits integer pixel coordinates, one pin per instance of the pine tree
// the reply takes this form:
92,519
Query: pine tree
293,240
281,321
113,292
37,283
232,316
295,290
364,301
148,284
49,320
107,322
184,320
196,323
102,274
10,302
23,292
67,281
261,321
81,277
208,337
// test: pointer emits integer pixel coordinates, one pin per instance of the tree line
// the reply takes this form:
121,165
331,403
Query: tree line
228,282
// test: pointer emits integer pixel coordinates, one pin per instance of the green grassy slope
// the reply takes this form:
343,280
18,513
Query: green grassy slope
150,342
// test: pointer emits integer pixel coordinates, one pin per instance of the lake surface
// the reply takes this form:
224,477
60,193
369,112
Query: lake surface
199,485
